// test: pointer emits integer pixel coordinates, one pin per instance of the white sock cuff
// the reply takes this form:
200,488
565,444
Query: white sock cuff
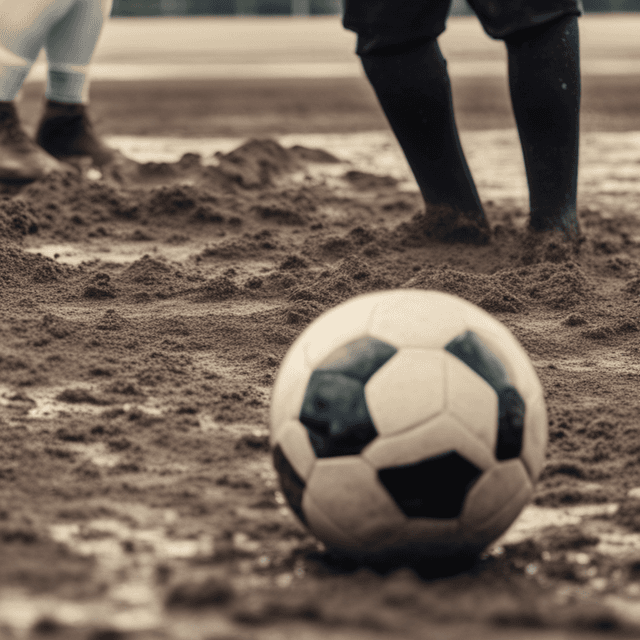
67,82
66,67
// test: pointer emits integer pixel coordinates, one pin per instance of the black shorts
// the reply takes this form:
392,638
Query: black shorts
384,23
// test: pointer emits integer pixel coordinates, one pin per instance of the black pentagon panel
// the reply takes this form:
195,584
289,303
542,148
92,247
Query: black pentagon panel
335,413
334,409
292,484
359,359
469,348
433,488
510,423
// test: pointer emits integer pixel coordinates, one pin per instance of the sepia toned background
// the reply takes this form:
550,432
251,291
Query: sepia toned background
145,310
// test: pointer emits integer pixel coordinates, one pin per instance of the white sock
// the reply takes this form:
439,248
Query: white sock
70,44
68,29
67,83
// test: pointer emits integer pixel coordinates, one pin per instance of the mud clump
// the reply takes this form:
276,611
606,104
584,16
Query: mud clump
548,247
443,224
248,246
147,270
338,246
486,291
367,181
257,162
609,329
197,595
562,286
75,396
305,154
215,289
20,268
178,200
111,320
280,214
293,263
575,320
72,206
58,327
17,219
100,286
300,312
287,207
632,287
348,277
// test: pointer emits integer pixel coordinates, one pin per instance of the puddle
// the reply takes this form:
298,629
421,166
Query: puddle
75,253
534,520
109,541
45,403
48,402
129,547
132,602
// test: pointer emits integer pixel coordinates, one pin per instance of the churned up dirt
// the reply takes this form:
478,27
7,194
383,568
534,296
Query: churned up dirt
137,494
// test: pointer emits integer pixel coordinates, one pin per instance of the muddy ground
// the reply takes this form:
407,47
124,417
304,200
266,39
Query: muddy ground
144,314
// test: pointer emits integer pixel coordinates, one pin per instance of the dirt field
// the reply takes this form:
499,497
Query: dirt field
144,315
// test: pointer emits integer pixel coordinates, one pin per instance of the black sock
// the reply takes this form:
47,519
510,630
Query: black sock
544,77
413,87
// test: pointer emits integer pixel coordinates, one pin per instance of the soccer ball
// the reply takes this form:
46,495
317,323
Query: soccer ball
407,424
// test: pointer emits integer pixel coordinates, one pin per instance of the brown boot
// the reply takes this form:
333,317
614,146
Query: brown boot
65,131
21,159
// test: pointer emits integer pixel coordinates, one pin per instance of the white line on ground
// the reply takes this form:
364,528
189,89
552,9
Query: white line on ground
301,70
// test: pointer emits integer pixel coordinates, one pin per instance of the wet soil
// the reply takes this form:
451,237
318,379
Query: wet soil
276,106
145,311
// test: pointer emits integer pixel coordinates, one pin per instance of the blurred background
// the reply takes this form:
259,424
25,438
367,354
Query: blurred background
297,7
240,68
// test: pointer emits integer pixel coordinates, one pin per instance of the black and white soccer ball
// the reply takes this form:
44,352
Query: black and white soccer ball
407,424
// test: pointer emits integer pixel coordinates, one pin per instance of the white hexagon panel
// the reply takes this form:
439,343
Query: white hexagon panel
472,400
536,435
294,441
431,439
347,492
327,530
414,318
495,489
334,328
288,390
472,351
493,527
407,390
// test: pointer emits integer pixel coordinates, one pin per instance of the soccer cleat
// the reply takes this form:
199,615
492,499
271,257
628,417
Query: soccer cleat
65,132
21,160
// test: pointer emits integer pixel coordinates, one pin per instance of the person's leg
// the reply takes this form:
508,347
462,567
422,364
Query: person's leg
544,78
13,71
397,44
65,130
23,29
413,87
